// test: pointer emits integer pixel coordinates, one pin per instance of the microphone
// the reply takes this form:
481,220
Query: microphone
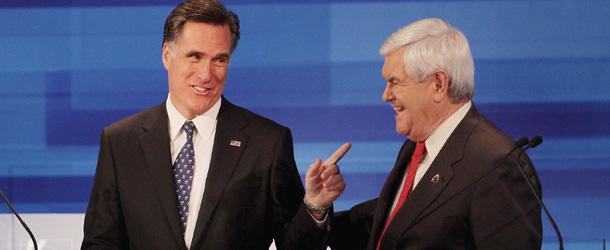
522,142
20,220
535,141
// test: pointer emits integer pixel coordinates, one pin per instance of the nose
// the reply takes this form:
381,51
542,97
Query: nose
204,72
387,96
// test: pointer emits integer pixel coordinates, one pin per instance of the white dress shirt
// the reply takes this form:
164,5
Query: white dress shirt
434,143
203,142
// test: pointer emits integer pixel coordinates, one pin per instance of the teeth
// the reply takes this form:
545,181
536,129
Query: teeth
398,108
200,89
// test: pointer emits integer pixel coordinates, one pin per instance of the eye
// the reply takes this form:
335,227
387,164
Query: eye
193,57
221,61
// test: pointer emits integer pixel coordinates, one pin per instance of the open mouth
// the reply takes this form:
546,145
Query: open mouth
200,89
399,110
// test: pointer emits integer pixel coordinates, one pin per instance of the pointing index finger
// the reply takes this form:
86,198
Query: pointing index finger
337,155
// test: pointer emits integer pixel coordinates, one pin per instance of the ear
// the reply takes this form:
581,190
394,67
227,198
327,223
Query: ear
166,56
440,80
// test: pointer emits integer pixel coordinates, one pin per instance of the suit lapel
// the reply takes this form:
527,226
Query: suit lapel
388,192
445,164
225,157
424,194
154,143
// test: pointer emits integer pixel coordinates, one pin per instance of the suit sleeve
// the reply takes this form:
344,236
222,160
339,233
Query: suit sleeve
351,229
505,212
294,227
104,226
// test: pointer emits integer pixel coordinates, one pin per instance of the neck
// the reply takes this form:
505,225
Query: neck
438,116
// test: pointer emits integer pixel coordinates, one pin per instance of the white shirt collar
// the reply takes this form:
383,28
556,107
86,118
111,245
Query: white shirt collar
439,136
204,123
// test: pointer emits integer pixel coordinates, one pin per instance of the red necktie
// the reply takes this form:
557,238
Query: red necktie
406,189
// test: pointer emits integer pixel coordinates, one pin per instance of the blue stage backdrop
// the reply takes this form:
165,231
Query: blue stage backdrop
70,68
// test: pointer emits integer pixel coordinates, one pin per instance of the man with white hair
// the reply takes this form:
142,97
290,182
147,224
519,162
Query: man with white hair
444,191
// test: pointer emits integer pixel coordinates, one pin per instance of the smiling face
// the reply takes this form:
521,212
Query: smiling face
197,66
413,101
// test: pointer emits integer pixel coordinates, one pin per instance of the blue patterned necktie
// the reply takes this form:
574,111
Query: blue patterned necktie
183,172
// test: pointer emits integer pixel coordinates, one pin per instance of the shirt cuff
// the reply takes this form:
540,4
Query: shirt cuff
320,224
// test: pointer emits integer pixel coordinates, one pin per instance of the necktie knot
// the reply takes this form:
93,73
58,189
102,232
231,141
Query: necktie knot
188,128
420,149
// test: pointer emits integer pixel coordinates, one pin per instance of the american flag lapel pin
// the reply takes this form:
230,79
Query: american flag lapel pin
235,143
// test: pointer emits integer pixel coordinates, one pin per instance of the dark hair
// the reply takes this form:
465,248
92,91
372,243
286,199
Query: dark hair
204,11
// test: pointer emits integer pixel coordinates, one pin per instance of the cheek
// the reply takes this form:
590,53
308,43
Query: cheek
177,72
173,79
221,74
187,71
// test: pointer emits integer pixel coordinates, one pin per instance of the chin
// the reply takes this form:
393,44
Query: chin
401,131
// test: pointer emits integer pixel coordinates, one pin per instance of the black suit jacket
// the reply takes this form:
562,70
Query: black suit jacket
253,193
460,211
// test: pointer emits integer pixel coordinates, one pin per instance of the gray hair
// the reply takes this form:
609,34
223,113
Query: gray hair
432,44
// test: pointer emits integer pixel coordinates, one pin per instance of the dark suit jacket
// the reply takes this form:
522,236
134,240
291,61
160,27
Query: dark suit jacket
457,212
253,192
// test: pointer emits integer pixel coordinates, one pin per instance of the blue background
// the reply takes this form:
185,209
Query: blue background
71,67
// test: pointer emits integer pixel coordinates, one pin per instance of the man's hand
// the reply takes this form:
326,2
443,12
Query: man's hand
323,181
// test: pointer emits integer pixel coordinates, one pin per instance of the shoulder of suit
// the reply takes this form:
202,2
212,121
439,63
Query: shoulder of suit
489,139
136,121
237,112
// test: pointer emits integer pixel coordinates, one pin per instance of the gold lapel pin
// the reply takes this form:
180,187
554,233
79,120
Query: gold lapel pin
435,179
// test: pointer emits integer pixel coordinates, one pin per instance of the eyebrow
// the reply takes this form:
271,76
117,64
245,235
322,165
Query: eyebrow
227,55
194,52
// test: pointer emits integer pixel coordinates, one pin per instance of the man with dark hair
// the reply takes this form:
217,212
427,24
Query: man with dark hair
197,172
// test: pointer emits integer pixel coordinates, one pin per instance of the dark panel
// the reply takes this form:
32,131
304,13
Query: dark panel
586,183
327,124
